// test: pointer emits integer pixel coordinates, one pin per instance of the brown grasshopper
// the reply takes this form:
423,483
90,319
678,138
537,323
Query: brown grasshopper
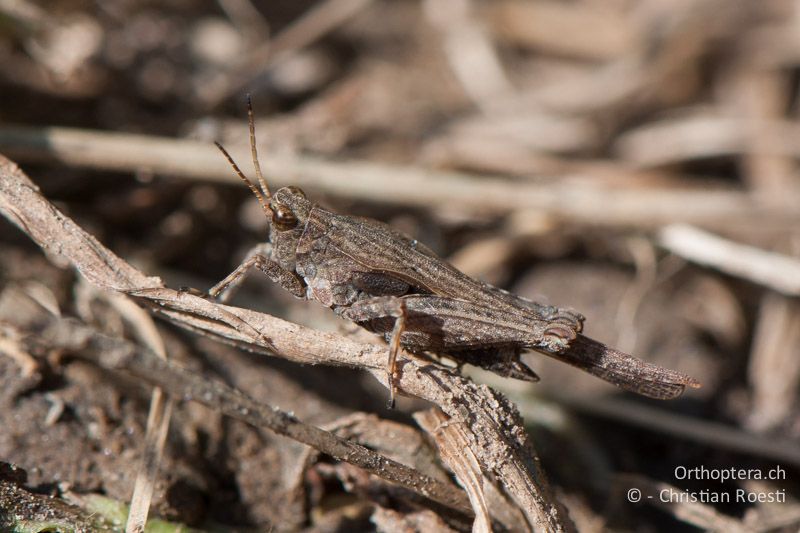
392,285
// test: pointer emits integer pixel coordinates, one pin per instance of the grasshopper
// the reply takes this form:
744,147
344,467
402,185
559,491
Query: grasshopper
395,286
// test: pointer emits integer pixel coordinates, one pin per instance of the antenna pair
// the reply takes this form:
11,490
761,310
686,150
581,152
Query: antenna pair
263,194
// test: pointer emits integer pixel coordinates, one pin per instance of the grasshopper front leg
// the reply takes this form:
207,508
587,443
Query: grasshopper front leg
258,258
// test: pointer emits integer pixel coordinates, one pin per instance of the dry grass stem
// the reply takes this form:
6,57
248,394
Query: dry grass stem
603,205
710,434
776,271
774,366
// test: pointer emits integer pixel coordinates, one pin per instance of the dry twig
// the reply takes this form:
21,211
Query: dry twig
451,441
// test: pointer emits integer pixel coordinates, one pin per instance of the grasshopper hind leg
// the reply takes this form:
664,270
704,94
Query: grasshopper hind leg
394,348
503,361
376,314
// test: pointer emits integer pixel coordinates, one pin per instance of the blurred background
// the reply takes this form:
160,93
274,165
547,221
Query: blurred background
633,159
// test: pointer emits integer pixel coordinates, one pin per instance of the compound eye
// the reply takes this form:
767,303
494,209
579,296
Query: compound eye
297,191
284,218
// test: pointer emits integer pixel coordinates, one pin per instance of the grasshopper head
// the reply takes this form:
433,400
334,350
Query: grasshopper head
289,208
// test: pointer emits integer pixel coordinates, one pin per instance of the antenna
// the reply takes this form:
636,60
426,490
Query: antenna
261,200
261,181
